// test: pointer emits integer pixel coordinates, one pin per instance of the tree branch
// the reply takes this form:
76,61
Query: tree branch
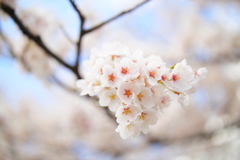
81,32
115,17
7,42
35,38
65,87
66,34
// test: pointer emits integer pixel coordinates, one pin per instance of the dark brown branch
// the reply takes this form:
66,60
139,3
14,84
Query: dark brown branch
81,32
35,38
115,17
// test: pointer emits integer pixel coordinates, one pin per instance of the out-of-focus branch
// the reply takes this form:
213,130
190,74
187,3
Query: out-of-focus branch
115,17
35,38
9,46
62,85
22,58
66,34
56,80
81,32
14,55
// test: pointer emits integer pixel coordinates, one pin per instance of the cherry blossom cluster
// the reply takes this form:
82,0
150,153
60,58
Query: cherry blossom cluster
134,87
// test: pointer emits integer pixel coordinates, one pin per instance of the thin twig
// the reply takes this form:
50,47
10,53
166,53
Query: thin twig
23,55
66,34
62,85
35,38
9,45
81,32
115,17
14,55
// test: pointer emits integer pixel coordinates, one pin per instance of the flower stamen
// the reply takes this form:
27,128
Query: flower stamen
152,74
140,96
111,77
113,96
126,111
124,70
175,77
128,93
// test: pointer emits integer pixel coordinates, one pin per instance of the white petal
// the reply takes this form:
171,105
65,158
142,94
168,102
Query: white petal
183,99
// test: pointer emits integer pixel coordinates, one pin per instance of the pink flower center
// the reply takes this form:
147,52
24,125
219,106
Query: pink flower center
164,77
124,70
128,93
111,77
152,74
163,101
175,77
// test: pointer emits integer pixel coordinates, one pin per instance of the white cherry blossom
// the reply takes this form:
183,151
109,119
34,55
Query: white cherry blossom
161,96
153,58
182,77
201,73
137,57
183,99
146,118
153,72
144,97
109,98
109,77
127,69
165,75
127,113
126,91
94,86
136,88
83,85
128,130
164,100
115,51
95,54
98,67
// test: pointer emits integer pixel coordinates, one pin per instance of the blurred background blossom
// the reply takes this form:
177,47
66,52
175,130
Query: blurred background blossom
39,119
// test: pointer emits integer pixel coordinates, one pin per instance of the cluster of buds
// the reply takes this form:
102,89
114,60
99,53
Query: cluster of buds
134,87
